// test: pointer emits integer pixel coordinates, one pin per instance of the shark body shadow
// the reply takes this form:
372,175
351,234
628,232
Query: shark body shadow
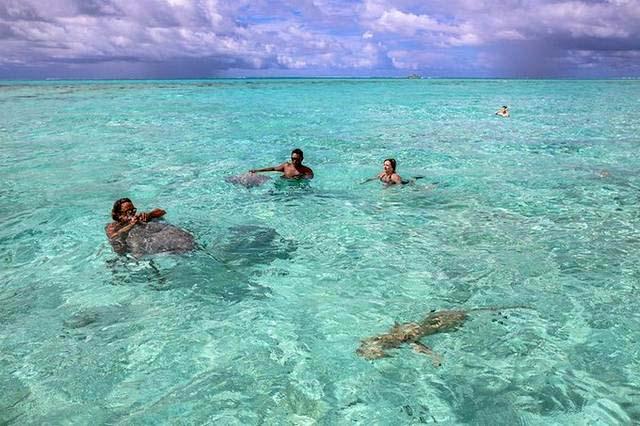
411,332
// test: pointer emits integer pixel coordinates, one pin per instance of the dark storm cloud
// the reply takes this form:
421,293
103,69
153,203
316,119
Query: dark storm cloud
13,10
5,31
97,8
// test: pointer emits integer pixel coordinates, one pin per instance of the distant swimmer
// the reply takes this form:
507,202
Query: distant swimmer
290,170
503,112
389,175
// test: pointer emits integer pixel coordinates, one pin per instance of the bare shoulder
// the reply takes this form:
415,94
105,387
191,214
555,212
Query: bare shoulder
306,172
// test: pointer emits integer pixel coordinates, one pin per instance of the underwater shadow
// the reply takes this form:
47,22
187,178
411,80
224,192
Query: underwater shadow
198,272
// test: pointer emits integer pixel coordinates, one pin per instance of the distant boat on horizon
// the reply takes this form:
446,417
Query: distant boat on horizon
414,76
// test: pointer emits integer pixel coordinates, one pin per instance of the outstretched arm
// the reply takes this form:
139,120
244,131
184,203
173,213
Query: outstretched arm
376,177
279,168
153,214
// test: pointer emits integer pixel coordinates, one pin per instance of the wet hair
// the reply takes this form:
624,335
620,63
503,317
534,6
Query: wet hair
392,161
299,152
115,212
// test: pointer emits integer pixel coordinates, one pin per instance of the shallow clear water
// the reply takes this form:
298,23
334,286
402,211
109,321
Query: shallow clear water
260,324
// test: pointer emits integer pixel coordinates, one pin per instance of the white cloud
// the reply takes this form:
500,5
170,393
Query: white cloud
320,34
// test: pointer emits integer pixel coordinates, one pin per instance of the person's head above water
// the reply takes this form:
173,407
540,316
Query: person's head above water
123,208
388,174
124,217
296,157
293,169
389,165
503,111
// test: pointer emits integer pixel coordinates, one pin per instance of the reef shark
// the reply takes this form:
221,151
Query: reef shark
411,332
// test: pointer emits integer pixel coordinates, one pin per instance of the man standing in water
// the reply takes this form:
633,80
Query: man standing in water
290,170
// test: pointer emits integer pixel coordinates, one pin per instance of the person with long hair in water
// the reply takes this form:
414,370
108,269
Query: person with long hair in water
388,174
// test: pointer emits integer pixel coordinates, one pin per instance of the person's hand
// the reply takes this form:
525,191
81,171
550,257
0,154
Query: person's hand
143,217
133,220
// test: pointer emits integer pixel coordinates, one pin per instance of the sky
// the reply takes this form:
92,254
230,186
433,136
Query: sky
305,38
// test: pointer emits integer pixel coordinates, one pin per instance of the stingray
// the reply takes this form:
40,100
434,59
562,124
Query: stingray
248,180
246,245
155,237
97,317
411,332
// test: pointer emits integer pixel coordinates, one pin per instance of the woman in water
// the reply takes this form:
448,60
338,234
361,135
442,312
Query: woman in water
388,175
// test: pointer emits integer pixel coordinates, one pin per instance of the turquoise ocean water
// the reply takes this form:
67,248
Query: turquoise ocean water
261,323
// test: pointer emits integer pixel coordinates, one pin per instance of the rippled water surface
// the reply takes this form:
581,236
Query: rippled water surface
260,324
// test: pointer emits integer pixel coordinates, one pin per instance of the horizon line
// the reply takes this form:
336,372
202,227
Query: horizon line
408,77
